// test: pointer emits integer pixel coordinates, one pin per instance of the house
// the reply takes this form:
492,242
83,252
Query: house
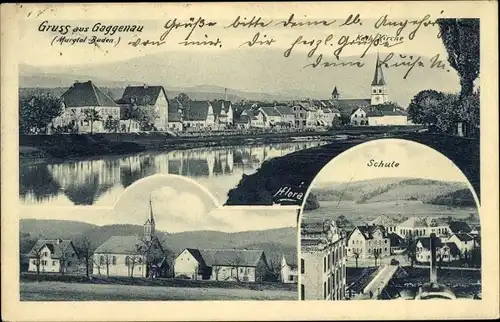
132,256
305,114
243,122
457,227
199,115
387,114
289,272
271,116
247,265
368,241
53,255
358,116
383,220
465,242
322,263
416,226
287,115
445,252
87,109
175,111
154,97
257,119
223,113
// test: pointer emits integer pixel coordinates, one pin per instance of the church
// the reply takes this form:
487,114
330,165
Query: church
132,256
376,110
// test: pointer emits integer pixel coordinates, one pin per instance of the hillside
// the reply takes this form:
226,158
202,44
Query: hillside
387,189
463,198
281,241
245,73
54,228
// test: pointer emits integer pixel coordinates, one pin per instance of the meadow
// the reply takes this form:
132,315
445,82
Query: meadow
59,291
359,213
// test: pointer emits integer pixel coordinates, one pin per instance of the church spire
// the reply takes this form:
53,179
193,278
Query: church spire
150,225
335,93
379,87
378,78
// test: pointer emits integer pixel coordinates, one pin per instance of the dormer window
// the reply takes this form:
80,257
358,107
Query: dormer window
374,91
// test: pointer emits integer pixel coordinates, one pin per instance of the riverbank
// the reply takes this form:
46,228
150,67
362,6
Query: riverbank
60,146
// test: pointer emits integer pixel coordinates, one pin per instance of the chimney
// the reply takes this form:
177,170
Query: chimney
433,272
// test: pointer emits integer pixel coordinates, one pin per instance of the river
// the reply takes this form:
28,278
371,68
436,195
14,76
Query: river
99,181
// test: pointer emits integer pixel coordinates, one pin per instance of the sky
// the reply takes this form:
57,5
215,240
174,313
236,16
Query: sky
415,161
36,49
179,204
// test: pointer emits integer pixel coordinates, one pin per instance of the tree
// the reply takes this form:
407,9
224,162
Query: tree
37,254
111,125
98,262
139,110
425,106
376,255
183,99
37,110
86,250
132,261
236,262
468,111
342,221
107,261
448,118
91,116
411,249
154,252
356,252
462,42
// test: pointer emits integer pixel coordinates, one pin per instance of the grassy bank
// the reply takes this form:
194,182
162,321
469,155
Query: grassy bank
298,169
160,282
82,145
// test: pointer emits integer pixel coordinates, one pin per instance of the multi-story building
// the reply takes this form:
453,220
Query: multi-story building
369,241
322,264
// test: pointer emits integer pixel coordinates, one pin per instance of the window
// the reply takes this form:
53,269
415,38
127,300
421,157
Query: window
380,91
241,269
302,292
101,260
324,289
127,260
69,263
324,264
45,254
53,263
329,284
302,268
369,251
290,278
114,260
44,263
385,249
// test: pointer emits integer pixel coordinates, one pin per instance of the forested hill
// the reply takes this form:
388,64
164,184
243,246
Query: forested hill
393,189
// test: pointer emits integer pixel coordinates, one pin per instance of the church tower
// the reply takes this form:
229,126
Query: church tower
335,94
379,87
150,225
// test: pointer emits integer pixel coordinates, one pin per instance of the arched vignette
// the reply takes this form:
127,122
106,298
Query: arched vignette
338,158
167,177
373,142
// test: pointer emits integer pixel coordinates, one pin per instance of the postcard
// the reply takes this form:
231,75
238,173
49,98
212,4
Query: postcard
249,161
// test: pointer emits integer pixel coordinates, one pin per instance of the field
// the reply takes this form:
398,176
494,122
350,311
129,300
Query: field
59,291
359,212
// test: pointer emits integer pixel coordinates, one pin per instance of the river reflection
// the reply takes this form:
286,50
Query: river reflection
100,181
